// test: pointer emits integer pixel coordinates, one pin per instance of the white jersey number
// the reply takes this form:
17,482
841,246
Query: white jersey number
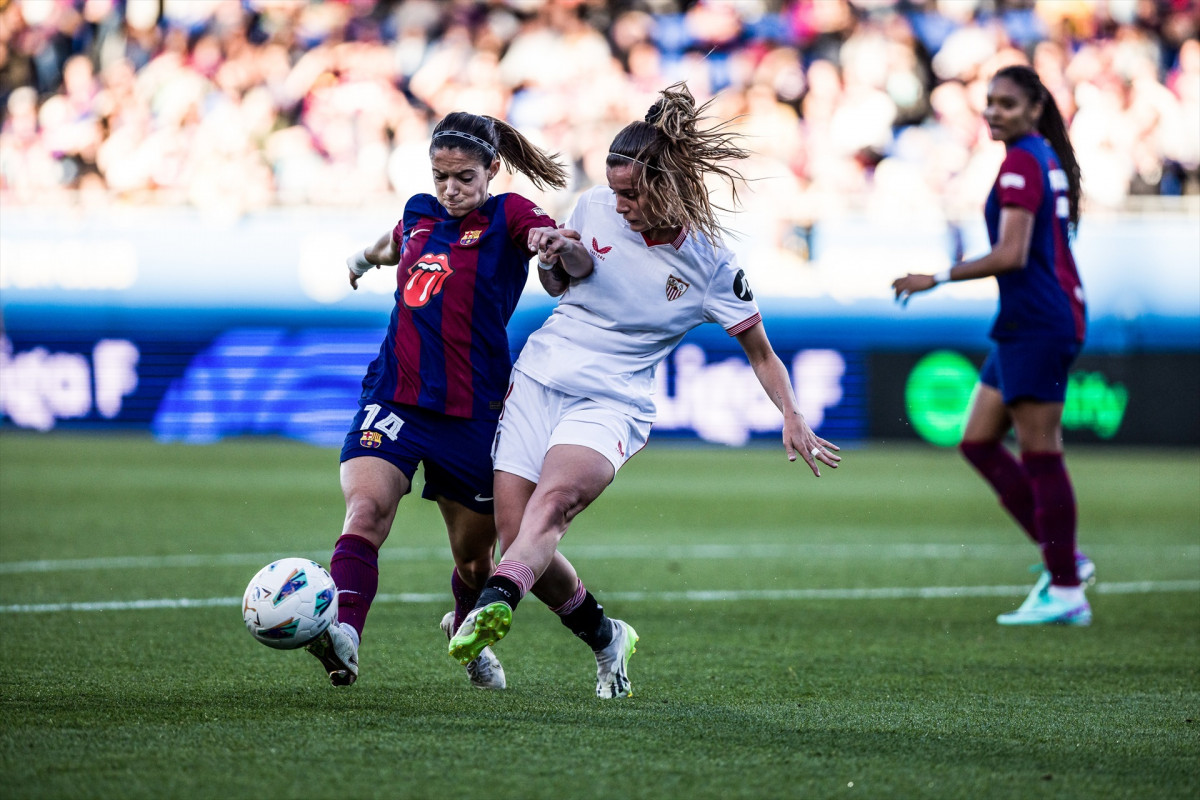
390,424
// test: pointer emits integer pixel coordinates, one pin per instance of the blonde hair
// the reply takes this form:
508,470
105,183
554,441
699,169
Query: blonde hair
675,156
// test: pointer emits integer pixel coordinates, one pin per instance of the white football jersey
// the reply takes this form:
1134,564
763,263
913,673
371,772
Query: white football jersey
611,329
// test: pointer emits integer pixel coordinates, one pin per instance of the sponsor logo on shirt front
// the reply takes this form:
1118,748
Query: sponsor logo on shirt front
676,287
598,250
426,278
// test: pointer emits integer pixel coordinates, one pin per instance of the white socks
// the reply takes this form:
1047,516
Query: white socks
1068,594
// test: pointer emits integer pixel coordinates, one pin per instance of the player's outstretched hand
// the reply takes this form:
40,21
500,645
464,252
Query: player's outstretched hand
911,284
798,439
357,265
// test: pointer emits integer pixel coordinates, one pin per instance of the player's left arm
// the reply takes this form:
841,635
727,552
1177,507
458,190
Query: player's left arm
798,438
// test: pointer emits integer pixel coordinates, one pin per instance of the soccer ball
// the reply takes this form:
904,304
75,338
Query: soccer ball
289,603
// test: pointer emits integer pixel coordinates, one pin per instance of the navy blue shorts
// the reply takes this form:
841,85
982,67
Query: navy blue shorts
1030,369
456,452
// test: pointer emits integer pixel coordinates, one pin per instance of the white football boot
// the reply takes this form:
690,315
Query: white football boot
1084,568
613,661
1050,610
337,650
485,671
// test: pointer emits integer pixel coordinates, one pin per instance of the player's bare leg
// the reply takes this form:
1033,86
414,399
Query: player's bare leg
611,641
540,514
558,582
572,477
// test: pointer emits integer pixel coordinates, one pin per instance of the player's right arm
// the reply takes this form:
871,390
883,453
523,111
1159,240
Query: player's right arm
1010,253
1020,189
383,252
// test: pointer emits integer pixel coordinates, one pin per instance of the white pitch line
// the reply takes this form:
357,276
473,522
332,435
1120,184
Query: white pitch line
716,596
893,551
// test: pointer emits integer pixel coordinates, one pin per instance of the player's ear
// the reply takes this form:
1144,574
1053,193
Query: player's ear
493,168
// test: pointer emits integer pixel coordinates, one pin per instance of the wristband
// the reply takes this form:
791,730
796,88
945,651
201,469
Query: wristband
941,277
358,263
542,265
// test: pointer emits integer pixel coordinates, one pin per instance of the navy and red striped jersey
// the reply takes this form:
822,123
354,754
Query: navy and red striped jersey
1045,299
457,285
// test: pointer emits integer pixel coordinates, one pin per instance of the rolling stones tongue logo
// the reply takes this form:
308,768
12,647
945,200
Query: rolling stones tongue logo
425,279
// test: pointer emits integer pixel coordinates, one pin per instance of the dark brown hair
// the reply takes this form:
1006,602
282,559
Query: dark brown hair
487,138
1052,126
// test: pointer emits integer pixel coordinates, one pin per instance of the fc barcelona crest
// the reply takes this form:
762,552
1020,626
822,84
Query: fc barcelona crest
469,238
371,439
675,288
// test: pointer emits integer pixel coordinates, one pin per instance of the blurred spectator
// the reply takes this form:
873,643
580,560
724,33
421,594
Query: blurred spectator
237,105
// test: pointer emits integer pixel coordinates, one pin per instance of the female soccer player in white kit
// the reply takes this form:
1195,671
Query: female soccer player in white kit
648,267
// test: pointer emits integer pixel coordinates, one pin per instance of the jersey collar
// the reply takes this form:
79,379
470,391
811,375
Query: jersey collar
677,242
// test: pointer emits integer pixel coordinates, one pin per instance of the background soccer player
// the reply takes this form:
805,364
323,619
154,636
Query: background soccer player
649,267
1031,212
434,392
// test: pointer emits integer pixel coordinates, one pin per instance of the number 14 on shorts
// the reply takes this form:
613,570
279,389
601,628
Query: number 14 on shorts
389,425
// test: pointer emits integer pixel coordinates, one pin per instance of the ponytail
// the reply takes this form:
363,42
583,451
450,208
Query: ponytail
523,156
487,138
1053,127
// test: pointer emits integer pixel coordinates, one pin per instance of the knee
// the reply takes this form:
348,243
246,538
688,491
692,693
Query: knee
558,506
368,517
474,573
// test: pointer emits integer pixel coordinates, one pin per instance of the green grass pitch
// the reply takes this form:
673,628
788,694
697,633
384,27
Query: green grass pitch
799,637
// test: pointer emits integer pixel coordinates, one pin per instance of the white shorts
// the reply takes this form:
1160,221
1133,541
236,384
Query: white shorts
536,417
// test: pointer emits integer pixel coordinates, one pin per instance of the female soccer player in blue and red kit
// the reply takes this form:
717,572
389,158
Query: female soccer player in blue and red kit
1031,212
434,392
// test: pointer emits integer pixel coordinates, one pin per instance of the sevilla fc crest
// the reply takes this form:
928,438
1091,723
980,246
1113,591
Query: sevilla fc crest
675,288
425,279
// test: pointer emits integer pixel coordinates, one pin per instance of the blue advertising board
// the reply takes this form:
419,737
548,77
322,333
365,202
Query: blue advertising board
201,329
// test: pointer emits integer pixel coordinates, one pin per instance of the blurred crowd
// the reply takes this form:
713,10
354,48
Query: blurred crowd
241,105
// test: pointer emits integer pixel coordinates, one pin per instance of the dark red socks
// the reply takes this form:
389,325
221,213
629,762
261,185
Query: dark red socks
355,569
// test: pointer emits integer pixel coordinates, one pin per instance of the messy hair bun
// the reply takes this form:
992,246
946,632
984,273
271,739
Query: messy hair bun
675,156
